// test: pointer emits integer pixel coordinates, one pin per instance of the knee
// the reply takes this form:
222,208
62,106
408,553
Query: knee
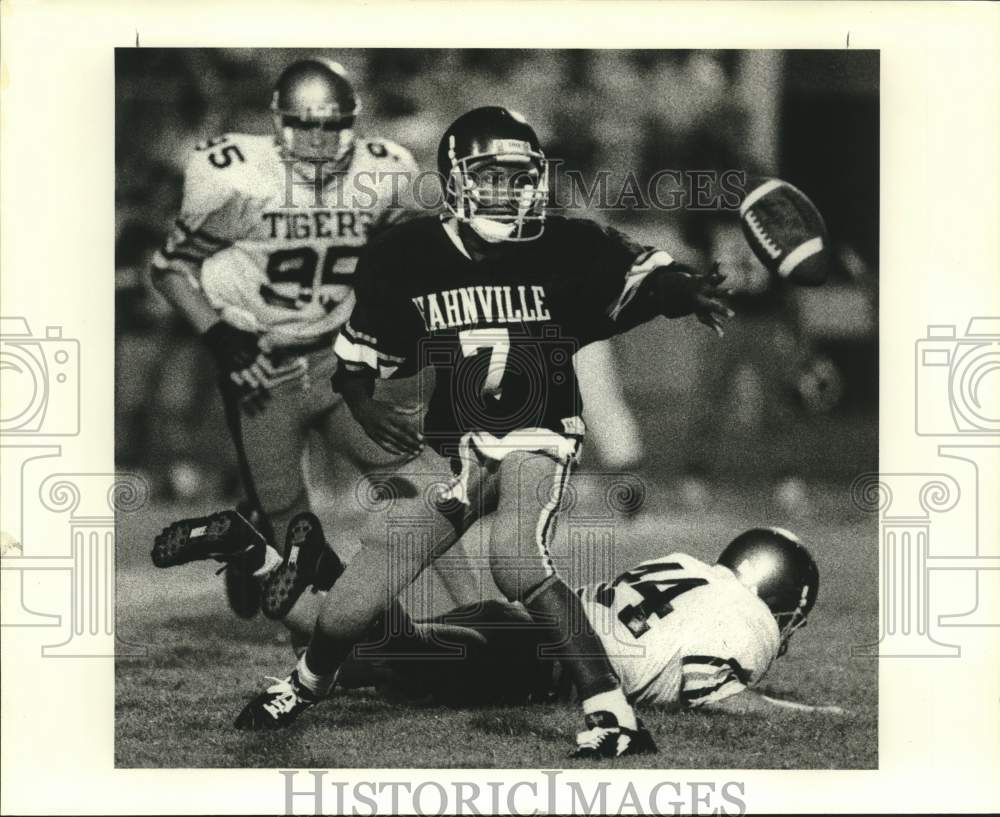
518,577
518,565
503,560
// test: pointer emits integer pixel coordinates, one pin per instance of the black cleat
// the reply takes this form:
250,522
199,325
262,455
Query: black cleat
277,707
604,738
225,536
309,562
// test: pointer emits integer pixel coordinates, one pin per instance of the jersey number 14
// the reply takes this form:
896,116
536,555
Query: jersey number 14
657,594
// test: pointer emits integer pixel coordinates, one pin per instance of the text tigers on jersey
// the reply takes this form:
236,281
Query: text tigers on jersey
473,305
317,224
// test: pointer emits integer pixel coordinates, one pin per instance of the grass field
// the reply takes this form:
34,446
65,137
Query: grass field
175,706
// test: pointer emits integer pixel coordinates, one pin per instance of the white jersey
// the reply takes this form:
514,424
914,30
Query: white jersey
273,250
680,631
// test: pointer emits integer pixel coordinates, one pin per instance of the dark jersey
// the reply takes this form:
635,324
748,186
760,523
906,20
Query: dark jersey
498,335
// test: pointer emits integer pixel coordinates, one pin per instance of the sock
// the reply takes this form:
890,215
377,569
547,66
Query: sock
300,643
576,644
318,684
613,701
270,559
326,652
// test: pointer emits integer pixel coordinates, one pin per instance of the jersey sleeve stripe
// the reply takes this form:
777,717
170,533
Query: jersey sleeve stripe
649,261
708,660
361,339
352,352
726,689
689,695
641,267
197,234
705,663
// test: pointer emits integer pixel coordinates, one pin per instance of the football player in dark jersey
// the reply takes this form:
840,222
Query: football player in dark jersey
493,299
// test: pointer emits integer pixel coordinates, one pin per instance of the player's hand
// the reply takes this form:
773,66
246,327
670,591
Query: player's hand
236,353
254,383
710,300
234,349
389,427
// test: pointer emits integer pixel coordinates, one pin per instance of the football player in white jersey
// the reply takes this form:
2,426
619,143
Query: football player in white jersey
679,632
261,264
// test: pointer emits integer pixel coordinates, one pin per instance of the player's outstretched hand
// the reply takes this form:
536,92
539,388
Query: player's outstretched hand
389,427
711,307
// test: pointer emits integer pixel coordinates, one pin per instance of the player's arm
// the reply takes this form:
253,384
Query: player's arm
722,685
657,285
633,284
750,702
176,273
176,286
235,351
374,344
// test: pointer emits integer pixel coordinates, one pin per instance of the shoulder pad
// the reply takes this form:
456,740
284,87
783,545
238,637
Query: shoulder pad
385,150
229,158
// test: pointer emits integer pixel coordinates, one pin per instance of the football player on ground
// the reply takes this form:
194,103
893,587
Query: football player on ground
261,263
494,300
678,632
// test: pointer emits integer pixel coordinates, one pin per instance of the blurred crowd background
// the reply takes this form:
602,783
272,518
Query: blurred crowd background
786,399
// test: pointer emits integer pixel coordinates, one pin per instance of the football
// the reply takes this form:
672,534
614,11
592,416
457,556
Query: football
785,231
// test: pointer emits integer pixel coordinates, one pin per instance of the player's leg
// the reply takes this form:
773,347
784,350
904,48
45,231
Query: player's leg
343,434
269,441
389,560
408,659
477,654
511,668
272,442
387,563
530,492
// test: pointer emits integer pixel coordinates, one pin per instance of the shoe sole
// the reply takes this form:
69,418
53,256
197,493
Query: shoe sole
286,585
175,547
642,746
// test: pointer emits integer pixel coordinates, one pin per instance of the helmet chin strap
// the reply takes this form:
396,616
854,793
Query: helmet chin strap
495,232
491,230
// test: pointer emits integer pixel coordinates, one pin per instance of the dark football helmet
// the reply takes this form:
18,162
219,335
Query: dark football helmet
313,108
494,174
777,567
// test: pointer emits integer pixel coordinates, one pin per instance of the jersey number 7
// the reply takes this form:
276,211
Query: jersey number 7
498,343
